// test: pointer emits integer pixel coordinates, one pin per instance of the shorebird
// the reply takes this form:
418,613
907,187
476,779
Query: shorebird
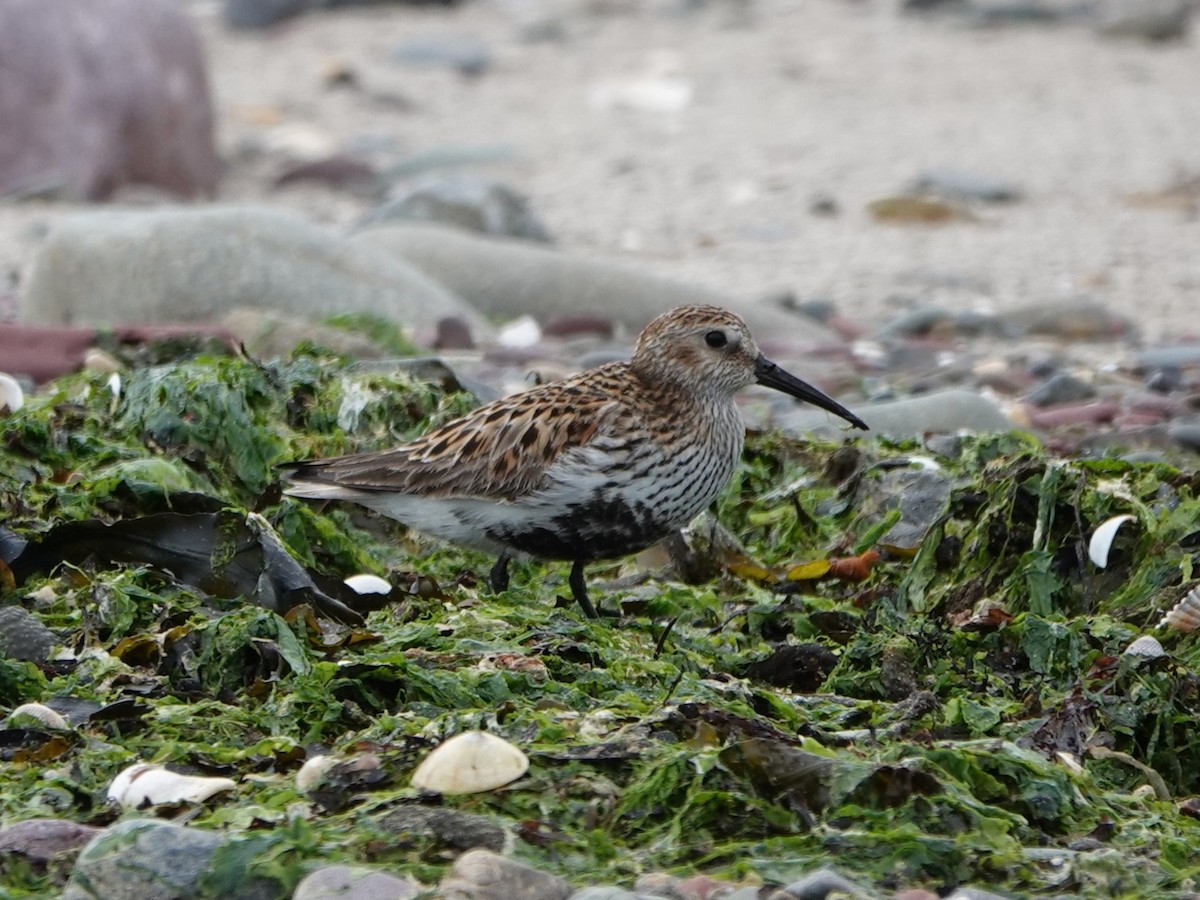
593,467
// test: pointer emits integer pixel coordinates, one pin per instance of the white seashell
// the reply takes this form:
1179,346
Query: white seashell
470,763
314,770
367,584
1146,647
1102,539
520,333
1069,761
1185,616
144,784
47,717
12,397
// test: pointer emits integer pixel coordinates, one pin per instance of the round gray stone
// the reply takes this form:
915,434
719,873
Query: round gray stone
23,636
354,883
141,858
942,411
509,278
186,264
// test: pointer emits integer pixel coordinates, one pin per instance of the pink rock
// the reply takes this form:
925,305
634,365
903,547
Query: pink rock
100,94
1073,414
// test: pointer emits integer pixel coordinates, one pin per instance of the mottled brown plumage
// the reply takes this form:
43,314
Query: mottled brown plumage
592,467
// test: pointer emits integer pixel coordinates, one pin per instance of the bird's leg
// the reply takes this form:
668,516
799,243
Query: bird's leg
498,576
579,590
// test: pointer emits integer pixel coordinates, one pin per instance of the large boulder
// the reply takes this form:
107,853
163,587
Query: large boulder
189,264
99,94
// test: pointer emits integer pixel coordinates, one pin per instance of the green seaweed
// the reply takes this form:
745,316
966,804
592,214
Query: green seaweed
950,742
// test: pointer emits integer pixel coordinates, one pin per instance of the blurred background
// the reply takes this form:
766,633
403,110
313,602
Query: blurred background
848,162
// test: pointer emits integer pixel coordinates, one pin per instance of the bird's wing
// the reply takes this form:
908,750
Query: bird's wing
500,451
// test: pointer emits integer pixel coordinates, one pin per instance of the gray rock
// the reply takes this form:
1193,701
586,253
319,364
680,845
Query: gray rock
140,858
604,892
186,264
43,839
446,827
465,55
23,636
942,411
1182,356
262,13
1185,433
920,495
468,202
974,893
961,185
1147,20
1060,388
354,883
100,94
483,875
818,885
506,279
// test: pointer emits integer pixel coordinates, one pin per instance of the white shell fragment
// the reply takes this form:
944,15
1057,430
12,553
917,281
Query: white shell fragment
47,717
12,397
1185,616
314,770
1146,647
469,763
145,784
367,584
1102,539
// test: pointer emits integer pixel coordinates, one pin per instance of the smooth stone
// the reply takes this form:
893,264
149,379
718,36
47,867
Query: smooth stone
818,885
974,893
190,264
505,279
139,858
273,334
469,202
1148,20
1185,434
465,55
484,875
354,883
1060,388
262,13
943,411
1080,318
604,892
1182,356
963,185
102,94
23,636
42,840
446,827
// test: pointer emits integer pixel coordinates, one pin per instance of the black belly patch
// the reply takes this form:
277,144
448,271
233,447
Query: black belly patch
596,529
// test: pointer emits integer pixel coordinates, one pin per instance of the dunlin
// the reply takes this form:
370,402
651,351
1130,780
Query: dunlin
592,467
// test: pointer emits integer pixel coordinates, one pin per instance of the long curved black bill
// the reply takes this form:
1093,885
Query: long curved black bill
772,376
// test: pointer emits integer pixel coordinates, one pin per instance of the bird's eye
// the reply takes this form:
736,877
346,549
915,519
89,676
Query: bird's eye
716,339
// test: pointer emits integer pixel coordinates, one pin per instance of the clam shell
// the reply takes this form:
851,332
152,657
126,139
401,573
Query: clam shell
368,584
145,784
12,397
1146,647
1185,616
1103,537
43,714
469,763
314,770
